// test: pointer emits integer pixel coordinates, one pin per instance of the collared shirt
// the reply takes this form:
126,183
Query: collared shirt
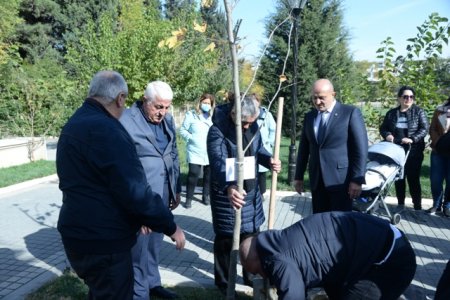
325,115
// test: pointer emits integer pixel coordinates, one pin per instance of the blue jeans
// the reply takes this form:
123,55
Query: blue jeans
439,171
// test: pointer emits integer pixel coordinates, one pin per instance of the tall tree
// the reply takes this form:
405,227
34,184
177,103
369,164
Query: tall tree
175,8
8,21
419,67
40,32
144,47
215,20
75,15
323,53
49,24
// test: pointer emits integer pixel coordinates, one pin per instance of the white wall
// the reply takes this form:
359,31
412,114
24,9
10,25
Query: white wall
17,151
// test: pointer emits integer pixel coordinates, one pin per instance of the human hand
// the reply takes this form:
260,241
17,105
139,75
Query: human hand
179,238
175,202
390,138
275,165
407,141
354,190
236,199
298,185
145,230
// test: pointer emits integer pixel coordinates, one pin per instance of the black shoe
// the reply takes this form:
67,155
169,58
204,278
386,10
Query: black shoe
163,293
206,200
223,291
188,203
447,211
400,208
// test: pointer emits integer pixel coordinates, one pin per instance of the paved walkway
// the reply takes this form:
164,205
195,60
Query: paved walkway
31,252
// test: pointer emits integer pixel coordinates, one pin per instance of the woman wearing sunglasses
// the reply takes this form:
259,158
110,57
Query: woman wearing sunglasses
407,125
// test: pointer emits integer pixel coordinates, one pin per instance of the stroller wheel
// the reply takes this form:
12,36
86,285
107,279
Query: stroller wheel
396,219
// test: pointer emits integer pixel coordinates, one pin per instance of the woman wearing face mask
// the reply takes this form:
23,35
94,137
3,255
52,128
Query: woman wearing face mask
194,131
407,125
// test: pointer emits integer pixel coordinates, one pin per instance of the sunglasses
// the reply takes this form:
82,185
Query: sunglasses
406,97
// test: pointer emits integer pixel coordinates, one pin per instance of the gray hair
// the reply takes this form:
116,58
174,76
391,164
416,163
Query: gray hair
107,85
249,107
158,90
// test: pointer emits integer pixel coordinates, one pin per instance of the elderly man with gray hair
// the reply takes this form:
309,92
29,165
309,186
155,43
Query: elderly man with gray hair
106,198
225,197
152,128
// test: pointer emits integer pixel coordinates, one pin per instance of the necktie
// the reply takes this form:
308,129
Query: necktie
322,128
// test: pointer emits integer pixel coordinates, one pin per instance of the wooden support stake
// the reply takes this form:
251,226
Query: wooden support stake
276,155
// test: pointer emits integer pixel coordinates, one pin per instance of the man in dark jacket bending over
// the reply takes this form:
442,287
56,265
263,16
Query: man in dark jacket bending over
106,197
350,254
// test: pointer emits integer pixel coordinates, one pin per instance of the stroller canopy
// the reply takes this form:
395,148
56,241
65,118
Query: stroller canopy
391,152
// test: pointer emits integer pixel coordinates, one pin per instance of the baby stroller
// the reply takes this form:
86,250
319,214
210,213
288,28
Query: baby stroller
385,165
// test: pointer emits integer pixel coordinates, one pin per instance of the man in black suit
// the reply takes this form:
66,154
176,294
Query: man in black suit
334,142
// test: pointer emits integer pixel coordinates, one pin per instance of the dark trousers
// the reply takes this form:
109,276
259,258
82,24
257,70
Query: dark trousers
262,182
443,287
145,257
192,179
222,249
439,171
324,199
386,281
412,171
108,276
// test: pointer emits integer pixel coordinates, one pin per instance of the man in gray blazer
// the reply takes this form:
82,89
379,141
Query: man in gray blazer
152,129
334,143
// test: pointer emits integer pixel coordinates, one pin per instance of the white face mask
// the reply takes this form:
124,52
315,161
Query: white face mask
205,107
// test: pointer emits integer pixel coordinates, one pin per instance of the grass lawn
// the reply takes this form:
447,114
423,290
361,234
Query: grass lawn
21,173
70,287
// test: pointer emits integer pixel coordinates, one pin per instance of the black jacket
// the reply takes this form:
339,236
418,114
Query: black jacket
417,125
221,144
326,249
105,193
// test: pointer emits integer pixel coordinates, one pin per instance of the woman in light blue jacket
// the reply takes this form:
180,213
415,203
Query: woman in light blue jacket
194,131
267,127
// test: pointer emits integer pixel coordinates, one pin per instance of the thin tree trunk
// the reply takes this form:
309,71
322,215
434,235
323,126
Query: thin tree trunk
240,153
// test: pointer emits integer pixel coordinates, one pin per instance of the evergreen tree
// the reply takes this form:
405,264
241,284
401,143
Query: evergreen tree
49,24
8,21
175,8
216,20
76,14
216,32
322,53
40,31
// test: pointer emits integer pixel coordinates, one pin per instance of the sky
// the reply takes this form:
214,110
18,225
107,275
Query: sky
369,22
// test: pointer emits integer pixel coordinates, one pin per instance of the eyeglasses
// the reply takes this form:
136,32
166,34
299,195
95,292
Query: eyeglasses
406,97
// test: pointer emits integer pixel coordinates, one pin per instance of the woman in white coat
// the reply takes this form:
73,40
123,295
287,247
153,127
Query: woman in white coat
194,131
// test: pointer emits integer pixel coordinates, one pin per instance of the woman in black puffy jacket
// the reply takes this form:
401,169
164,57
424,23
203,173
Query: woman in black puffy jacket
407,125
